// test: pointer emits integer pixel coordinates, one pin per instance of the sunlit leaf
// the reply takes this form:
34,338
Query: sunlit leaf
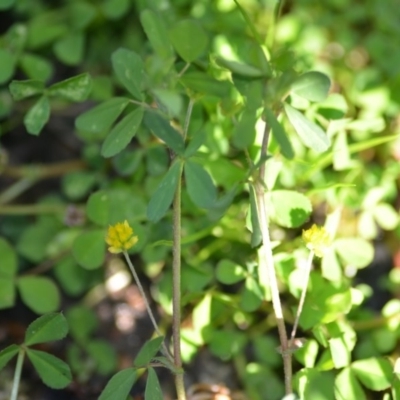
189,39
312,86
199,185
310,133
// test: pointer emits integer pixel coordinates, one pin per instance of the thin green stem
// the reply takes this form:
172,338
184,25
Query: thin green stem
183,70
302,298
176,285
146,302
16,189
176,268
17,374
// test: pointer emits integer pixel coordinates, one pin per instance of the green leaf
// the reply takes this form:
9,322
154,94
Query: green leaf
347,386
101,117
97,208
7,354
81,14
157,33
228,272
103,355
148,352
189,39
89,249
22,89
39,293
288,208
73,279
196,141
354,251
244,70
36,67
115,205
375,373
46,328
202,83
82,322
226,343
340,353
251,296
163,196
279,134
310,134
386,216
78,184
170,101
7,292
37,116
34,240
122,133
244,133
54,372
129,68
115,9
70,48
8,263
7,65
199,185
313,86
153,388
318,385
163,130
4,4
76,88
119,386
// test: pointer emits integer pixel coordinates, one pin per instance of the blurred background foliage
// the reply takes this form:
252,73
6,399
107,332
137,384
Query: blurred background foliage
58,193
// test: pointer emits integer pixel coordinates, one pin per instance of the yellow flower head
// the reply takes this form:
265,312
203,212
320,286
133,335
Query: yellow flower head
317,239
120,237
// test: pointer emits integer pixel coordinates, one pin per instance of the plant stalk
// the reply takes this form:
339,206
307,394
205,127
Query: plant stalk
176,285
17,374
269,264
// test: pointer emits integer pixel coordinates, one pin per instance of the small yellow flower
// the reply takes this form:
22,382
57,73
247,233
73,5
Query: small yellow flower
120,237
317,239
